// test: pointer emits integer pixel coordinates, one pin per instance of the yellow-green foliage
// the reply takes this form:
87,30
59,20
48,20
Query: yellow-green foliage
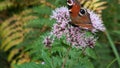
12,33
14,3
5,4
94,5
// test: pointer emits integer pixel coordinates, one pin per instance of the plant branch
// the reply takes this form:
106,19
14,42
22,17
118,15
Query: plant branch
113,47
63,65
108,66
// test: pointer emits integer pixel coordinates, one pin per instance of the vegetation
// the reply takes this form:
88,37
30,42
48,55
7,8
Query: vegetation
25,23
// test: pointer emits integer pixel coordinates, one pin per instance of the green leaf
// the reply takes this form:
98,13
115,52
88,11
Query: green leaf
29,65
90,53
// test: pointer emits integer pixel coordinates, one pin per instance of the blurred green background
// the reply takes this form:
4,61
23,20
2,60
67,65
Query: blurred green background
22,22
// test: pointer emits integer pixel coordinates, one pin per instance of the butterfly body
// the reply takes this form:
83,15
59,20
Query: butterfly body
79,16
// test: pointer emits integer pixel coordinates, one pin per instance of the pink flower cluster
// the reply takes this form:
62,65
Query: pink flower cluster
48,41
96,21
74,35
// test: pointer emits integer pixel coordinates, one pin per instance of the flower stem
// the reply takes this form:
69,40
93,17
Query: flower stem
113,47
65,60
108,66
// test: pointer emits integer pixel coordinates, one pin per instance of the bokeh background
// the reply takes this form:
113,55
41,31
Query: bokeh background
22,22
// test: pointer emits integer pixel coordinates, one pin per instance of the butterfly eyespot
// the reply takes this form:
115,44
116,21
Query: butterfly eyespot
82,12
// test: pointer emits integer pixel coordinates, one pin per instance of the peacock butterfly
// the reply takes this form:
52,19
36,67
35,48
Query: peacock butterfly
79,15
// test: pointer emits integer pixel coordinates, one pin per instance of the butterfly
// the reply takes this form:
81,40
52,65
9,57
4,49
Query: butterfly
79,15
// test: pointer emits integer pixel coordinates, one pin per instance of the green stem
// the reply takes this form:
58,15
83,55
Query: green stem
108,66
66,57
113,47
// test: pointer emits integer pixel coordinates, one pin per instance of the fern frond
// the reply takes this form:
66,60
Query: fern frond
13,33
94,5
8,36
23,57
47,3
5,4
12,53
